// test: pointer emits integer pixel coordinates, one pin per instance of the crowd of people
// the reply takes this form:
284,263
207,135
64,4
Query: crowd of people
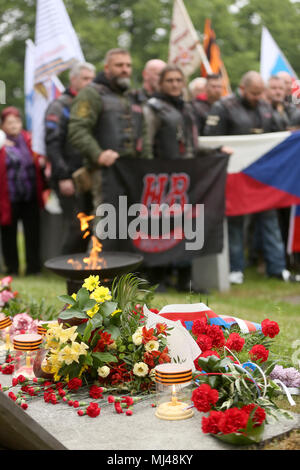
100,118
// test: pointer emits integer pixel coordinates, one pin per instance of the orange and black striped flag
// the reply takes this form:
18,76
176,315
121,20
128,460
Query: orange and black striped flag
213,54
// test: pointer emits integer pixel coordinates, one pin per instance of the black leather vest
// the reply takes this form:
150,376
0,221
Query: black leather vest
176,136
120,123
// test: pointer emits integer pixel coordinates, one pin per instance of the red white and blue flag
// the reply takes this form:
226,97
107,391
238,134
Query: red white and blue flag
263,172
188,313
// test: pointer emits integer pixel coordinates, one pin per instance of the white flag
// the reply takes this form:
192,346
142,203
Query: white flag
56,49
272,59
44,93
185,49
57,46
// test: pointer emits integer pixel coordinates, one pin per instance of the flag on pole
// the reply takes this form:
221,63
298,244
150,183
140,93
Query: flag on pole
56,49
185,49
213,55
57,46
272,59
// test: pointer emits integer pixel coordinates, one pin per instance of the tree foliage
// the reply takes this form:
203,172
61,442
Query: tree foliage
143,27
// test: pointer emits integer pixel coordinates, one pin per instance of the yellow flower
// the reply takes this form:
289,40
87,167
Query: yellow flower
67,334
101,294
93,311
71,353
91,283
116,311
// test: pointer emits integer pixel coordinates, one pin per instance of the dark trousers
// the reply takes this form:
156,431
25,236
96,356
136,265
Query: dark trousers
28,213
73,241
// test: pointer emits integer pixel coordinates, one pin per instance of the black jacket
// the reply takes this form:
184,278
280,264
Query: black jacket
232,115
64,158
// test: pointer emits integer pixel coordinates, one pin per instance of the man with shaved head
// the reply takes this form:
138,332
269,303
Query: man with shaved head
150,75
288,83
245,112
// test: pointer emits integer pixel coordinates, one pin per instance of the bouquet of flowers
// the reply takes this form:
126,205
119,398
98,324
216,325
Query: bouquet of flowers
6,293
101,336
233,378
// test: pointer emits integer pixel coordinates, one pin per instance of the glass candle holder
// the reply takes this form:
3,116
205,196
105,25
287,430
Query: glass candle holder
173,391
26,348
5,337
44,325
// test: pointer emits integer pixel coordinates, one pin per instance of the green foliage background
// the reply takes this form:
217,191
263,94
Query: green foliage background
143,27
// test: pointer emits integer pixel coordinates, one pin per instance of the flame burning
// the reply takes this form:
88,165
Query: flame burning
93,261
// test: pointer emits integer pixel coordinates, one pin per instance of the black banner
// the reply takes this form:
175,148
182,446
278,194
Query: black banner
166,210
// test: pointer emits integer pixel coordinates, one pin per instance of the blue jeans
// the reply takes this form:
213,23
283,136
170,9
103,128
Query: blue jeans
272,244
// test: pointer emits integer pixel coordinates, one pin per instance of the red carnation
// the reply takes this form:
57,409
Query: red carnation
235,342
216,335
12,396
259,414
233,420
93,410
204,342
211,423
269,328
96,392
259,353
204,397
200,327
74,384
8,369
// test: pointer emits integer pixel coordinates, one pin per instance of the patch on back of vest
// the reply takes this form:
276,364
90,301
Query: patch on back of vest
212,120
83,109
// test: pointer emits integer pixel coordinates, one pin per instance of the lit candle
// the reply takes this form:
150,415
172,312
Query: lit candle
174,401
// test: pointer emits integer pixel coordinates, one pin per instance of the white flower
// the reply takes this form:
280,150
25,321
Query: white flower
152,346
103,371
137,338
140,369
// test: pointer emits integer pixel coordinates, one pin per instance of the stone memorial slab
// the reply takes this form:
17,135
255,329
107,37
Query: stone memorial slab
46,426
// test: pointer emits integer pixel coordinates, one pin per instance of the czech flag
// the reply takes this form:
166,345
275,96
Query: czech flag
263,172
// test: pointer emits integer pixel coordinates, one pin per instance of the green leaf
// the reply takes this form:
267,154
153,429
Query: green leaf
67,299
89,304
107,308
71,313
87,332
104,357
82,297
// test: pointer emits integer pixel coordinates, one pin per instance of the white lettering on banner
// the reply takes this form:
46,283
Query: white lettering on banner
187,219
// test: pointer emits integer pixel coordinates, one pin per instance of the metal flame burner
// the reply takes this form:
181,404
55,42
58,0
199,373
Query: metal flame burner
113,264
